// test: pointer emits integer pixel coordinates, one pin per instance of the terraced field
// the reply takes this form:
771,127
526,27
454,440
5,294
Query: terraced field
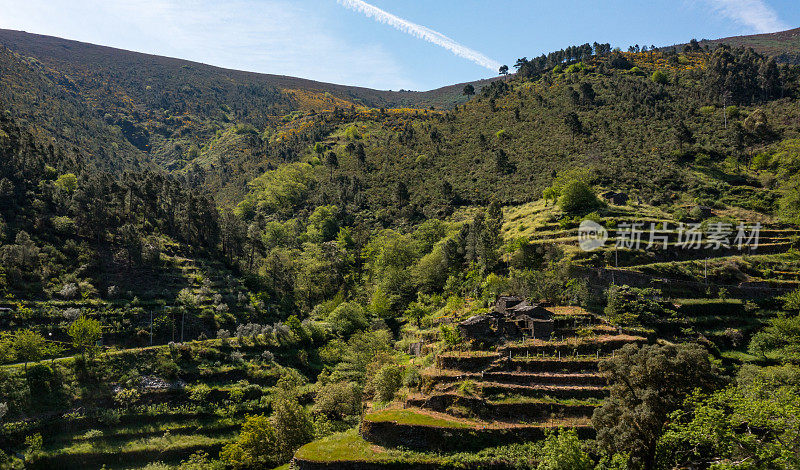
164,401
470,401
188,299
709,287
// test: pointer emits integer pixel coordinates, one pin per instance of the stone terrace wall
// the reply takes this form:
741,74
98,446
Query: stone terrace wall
391,434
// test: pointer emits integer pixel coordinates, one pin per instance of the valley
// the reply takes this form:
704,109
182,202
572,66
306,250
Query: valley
203,268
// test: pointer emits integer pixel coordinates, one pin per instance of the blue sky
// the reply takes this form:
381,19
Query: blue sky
425,44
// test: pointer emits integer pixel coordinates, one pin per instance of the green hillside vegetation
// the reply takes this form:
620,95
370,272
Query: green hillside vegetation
197,276
161,107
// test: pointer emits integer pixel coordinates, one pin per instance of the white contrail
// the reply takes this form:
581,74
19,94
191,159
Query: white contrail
420,32
756,14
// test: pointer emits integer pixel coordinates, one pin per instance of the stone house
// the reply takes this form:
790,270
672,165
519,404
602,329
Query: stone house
512,317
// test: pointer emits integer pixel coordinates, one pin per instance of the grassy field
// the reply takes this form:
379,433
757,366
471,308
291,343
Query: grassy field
409,417
349,446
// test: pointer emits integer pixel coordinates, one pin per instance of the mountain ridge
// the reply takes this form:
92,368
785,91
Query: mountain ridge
52,48
248,258
783,45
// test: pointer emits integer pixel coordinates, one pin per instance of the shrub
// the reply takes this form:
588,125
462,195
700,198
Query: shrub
790,201
628,306
151,253
194,152
255,447
87,290
85,333
791,301
290,380
246,129
575,68
412,377
660,77
93,434
296,327
779,339
33,443
352,133
348,318
199,393
293,427
585,332
577,197
761,161
237,357
696,213
619,61
166,367
283,334
126,398
387,382
338,401
64,225
563,451
734,336
68,182
468,388
112,292
109,417
200,461
450,335
702,159
707,110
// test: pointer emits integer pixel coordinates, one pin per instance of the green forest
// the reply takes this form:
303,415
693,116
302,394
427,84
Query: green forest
202,269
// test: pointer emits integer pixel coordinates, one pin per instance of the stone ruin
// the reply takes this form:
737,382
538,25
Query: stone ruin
511,318
613,197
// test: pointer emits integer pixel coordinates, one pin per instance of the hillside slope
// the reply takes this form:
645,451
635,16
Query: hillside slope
47,104
139,109
784,45
360,241
615,123
127,67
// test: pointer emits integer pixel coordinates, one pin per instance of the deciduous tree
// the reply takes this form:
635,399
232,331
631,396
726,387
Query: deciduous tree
30,346
85,333
648,383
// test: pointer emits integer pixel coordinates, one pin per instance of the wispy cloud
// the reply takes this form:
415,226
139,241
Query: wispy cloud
755,14
283,37
421,32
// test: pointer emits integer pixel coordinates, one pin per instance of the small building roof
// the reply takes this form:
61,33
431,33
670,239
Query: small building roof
475,320
535,311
